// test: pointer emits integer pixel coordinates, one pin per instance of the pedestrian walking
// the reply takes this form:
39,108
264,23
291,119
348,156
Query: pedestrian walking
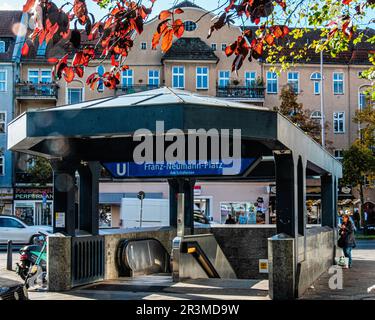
242,219
357,218
230,220
347,239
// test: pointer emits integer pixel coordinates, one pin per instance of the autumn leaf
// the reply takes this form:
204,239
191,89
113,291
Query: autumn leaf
269,39
25,49
178,28
230,49
346,1
164,14
79,71
52,60
68,74
166,43
28,5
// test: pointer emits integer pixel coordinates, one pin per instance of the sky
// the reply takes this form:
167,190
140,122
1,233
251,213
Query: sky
159,5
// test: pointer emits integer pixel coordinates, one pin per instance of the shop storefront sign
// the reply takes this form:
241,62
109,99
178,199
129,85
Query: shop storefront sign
6,194
165,169
197,190
33,194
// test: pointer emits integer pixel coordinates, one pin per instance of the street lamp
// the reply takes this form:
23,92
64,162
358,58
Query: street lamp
322,99
141,196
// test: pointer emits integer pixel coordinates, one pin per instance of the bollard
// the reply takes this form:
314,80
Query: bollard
9,255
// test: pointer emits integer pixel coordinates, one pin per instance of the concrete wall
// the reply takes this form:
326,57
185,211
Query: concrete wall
319,256
289,279
244,245
111,241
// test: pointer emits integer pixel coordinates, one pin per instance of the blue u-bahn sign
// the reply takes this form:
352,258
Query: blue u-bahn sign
123,170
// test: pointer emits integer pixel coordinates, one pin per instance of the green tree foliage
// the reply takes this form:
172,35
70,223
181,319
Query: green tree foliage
41,171
366,118
358,167
294,111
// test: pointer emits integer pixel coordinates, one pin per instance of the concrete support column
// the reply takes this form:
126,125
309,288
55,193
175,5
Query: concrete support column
281,267
59,267
173,191
89,197
286,189
301,189
64,196
329,199
188,188
185,186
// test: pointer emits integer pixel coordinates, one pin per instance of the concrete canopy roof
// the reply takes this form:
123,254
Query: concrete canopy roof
99,130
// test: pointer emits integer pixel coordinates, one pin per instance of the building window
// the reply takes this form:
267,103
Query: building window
213,46
250,78
338,83
3,120
143,46
339,154
127,78
2,46
36,76
101,71
75,95
190,26
271,82
364,100
223,46
41,52
339,122
178,77
316,115
3,80
46,76
2,166
153,78
33,76
293,81
316,78
202,77
224,77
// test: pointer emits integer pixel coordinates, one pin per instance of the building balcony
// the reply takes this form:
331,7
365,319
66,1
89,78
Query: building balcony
31,91
238,93
136,88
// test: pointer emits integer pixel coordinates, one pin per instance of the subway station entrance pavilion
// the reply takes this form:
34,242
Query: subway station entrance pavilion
87,136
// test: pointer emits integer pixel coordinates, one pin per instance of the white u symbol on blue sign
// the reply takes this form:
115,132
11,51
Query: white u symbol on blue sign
121,169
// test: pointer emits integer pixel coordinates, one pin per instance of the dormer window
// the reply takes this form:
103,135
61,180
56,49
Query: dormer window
2,46
190,25
41,52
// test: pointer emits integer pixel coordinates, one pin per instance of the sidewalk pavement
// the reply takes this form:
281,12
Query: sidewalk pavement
358,282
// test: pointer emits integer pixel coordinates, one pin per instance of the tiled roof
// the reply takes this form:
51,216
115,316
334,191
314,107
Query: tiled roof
186,4
7,20
357,54
190,49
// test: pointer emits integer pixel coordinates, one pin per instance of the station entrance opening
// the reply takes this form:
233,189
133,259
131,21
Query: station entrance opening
109,133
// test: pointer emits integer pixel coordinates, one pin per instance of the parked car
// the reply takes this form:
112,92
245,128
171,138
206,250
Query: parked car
12,228
12,290
369,229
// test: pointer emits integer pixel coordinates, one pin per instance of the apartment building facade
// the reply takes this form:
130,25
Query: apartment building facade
8,75
197,64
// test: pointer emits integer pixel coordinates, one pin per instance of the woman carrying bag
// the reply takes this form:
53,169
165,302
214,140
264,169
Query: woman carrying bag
347,240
